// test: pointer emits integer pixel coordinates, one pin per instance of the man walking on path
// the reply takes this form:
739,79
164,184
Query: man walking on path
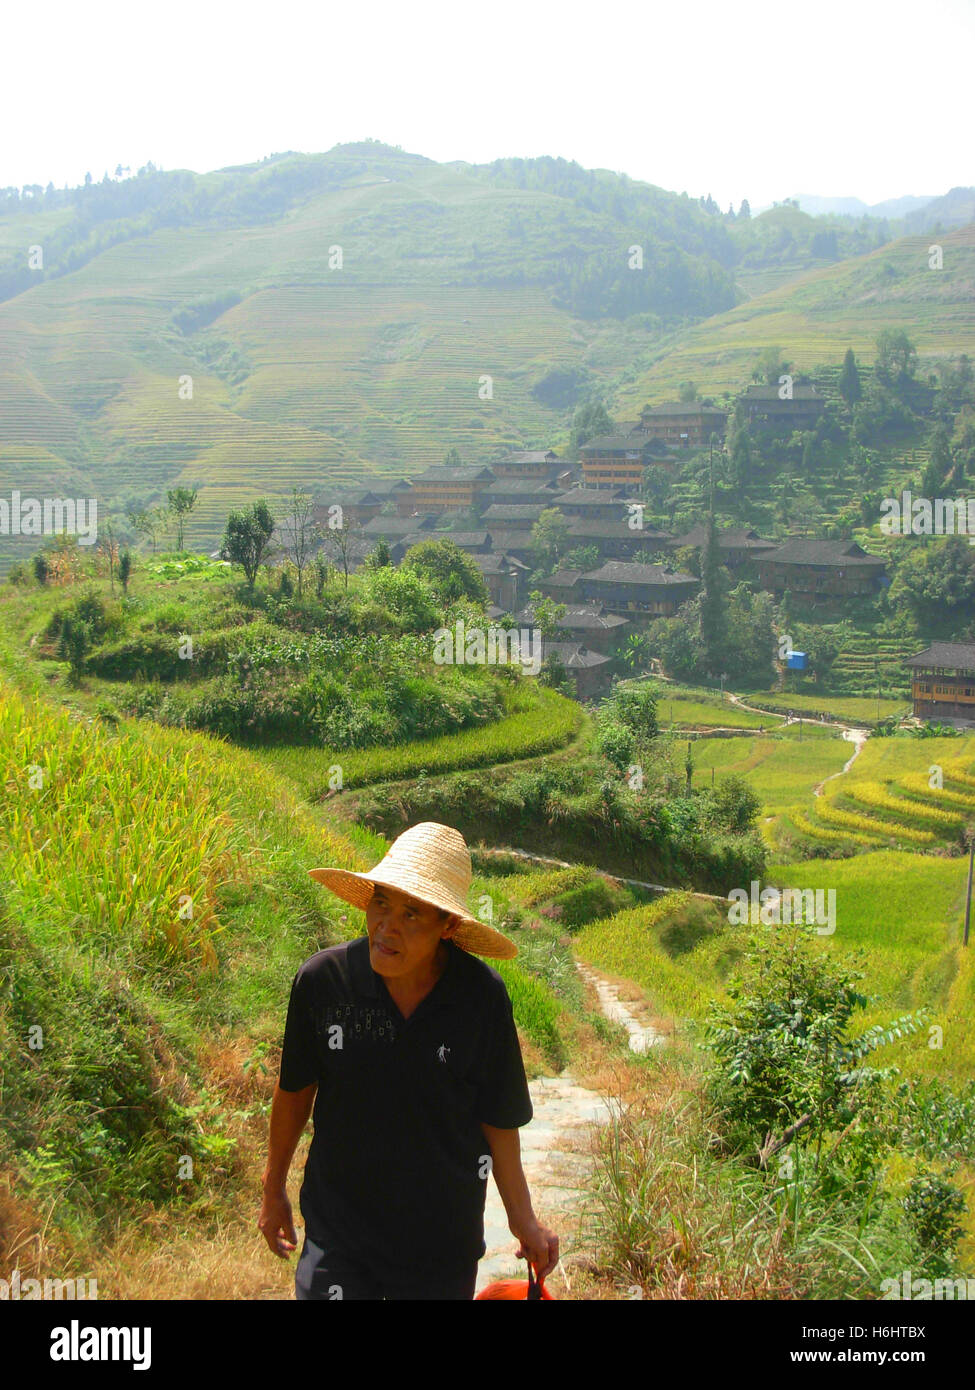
405,1044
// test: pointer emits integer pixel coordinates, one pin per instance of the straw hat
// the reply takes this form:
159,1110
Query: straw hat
430,862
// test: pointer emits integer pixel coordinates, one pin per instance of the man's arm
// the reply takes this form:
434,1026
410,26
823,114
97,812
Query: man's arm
537,1243
289,1115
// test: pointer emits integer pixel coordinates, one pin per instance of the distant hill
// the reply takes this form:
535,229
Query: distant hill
856,207
955,209
355,314
817,317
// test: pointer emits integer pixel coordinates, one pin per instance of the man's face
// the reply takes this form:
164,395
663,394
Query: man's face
404,934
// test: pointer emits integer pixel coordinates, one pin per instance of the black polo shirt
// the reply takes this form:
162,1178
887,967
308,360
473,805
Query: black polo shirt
397,1170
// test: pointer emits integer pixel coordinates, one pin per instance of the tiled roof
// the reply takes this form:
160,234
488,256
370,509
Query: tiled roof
498,562
512,511
397,525
683,408
564,579
958,656
617,443
440,473
729,538
573,655
582,527
771,393
802,551
627,572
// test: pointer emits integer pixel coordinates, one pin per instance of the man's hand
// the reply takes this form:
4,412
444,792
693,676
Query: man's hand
537,1244
276,1224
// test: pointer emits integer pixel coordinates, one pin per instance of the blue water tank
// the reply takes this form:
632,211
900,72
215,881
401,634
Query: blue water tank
797,661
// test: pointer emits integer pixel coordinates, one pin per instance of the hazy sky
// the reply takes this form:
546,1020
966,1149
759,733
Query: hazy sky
739,98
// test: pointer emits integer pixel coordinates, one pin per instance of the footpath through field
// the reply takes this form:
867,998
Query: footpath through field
554,1145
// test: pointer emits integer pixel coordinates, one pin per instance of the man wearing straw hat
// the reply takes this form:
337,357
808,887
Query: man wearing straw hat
406,1045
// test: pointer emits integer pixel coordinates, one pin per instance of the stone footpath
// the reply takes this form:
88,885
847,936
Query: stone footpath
564,1111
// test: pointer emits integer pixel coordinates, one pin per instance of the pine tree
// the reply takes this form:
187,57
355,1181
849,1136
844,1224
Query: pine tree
848,381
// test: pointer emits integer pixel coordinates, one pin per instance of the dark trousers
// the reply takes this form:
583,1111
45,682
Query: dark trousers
330,1274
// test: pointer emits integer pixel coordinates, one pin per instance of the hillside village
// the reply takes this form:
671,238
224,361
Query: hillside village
613,571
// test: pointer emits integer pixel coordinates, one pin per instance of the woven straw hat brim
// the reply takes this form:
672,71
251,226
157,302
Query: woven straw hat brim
471,935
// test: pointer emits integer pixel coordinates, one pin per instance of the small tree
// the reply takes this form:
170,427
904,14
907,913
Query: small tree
549,537
247,539
125,569
687,392
323,573
40,568
450,571
74,644
342,541
848,382
181,502
298,530
150,522
381,557
546,613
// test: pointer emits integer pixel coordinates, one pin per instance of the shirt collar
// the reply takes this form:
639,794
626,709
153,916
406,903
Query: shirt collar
367,982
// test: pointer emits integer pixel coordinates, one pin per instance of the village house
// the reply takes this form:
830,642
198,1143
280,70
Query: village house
474,542
820,570
943,681
682,424
637,590
514,542
393,528
541,464
616,540
563,586
590,623
736,544
512,517
511,491
616,460
591,671
766,409
444,489
597,504
359,504
505,576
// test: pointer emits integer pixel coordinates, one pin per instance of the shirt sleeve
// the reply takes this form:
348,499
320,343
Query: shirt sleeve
503,1098
298,1053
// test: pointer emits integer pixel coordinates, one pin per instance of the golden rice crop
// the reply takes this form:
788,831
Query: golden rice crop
113,835
917,782
873,794
820,832
851,820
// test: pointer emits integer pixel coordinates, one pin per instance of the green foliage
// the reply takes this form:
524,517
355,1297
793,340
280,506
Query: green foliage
933,1206
783,1050
407,593
247,539
450,571
848,382
936,583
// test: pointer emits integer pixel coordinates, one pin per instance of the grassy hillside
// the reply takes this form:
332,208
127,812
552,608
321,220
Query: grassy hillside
815,319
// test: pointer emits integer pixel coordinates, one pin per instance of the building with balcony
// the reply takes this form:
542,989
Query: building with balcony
943,681
820,570
682,424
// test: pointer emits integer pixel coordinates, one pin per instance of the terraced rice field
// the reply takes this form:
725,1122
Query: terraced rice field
917,794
